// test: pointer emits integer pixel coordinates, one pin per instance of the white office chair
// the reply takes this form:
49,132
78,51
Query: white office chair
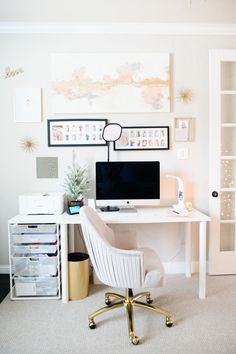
129,269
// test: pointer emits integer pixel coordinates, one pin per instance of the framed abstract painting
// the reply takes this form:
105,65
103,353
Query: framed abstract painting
110,82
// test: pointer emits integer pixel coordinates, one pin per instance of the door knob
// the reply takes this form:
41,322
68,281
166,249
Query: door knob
214,194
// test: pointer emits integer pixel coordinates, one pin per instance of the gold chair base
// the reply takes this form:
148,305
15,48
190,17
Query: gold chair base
129,302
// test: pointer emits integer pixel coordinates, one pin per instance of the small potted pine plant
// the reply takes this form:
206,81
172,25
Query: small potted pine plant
76,185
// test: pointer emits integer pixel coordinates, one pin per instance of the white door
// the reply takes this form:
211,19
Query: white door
222,101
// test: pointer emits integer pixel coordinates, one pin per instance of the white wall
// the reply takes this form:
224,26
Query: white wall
189,69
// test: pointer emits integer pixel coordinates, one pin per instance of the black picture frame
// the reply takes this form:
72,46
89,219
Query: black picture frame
76,132
143,138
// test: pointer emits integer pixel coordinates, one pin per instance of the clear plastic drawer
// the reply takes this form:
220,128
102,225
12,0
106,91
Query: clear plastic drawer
33,228
25,250
34,266
36,286
34,238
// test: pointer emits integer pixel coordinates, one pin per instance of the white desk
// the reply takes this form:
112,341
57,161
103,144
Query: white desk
143,216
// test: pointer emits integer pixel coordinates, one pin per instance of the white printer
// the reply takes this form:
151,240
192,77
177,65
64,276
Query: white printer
41,203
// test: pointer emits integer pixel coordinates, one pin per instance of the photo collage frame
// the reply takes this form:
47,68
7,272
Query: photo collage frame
76,132
143,138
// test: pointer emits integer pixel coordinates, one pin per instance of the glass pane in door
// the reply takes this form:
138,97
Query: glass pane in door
228,108
228,75
228,138
227,202
227,237
227,173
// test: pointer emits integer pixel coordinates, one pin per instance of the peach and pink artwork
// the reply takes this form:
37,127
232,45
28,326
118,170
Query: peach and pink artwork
105,82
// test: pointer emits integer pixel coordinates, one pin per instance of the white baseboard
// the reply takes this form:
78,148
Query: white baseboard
170,268
4,269
179,267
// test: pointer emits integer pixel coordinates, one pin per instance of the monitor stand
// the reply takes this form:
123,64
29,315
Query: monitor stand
128,209
109,208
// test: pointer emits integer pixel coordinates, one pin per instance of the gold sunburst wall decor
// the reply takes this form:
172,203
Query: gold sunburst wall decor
184,95
28,144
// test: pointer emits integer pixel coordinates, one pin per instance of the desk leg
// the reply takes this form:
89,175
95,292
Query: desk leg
202,260
71,238
188,249
64,263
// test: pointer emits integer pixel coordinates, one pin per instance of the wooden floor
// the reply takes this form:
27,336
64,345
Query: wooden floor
4,286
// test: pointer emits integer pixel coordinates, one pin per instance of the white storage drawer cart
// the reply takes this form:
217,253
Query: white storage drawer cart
34,254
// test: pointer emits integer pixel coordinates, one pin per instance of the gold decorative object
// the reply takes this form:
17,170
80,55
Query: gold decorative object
28,144
184,95
12,72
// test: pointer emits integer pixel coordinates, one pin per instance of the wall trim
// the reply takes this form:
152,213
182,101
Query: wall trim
4,269
139,28
179,267
170,268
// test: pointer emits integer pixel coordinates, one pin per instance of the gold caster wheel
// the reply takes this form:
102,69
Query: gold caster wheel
92,324
149,300
107,301
134,339
169,322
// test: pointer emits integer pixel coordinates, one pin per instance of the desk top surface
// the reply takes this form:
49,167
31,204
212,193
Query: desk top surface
142,216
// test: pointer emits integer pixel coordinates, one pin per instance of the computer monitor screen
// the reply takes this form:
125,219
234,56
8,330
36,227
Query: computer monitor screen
127,183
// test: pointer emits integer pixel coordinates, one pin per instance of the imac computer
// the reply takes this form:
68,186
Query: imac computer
127,184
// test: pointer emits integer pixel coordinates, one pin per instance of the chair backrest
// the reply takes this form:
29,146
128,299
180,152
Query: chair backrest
113,266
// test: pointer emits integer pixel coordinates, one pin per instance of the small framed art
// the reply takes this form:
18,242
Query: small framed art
143,138
183,129
28,105
76,132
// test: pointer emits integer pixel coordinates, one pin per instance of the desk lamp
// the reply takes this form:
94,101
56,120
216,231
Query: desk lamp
111,133
180,207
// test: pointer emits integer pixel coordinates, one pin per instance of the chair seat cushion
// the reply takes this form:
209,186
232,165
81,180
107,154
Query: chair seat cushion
154,272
